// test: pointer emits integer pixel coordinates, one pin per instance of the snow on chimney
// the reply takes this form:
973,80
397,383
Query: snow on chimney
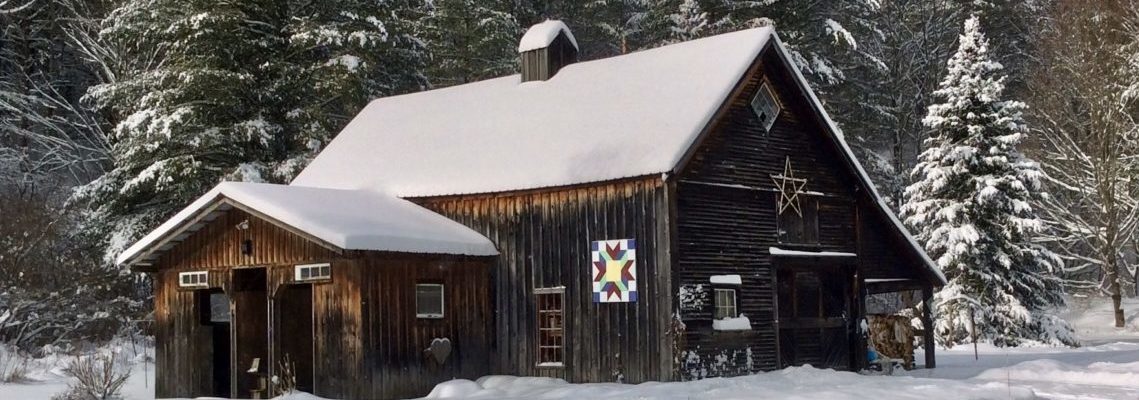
545,49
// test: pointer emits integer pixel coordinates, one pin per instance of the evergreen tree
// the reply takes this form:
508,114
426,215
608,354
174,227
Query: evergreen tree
471,40
688,21
971,205
240,89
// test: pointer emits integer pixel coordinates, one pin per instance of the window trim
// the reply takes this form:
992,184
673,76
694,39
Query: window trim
196,283
560,293
716,306
442,301
759,107
312,278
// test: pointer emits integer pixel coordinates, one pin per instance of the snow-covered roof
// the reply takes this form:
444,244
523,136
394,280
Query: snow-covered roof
613,118
620,117
541,35
346,219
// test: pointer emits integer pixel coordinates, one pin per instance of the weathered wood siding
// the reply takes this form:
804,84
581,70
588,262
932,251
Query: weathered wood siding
726,220
541,64
544,238
396,364
366,341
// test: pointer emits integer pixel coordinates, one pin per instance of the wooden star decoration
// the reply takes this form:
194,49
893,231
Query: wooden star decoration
789,188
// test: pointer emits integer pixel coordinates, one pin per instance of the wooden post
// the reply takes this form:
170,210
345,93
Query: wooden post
927,326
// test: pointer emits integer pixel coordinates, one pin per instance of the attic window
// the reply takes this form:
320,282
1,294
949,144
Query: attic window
312,272
766,108
195,279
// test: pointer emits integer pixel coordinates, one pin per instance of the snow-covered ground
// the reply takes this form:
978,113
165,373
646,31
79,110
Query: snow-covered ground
1108,368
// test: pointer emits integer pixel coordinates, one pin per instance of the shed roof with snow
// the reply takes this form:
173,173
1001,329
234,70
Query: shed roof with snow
345,219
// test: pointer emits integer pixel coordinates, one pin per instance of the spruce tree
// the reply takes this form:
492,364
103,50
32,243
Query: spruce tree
971,206
234,90
470,40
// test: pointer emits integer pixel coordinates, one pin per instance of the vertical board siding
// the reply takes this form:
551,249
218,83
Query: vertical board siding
397,363
367,343
544,240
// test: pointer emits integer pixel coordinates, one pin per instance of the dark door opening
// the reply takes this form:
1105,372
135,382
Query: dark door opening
213,311
295,335
815,317
251,331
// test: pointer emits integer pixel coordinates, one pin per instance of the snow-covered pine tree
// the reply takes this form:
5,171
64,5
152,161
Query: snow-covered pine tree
971,206
470,40
688,21
241,90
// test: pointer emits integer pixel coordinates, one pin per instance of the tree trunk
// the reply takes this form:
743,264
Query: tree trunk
1114,289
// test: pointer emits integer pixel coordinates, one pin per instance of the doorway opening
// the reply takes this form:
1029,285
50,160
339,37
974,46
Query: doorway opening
214,315
251,331
294,327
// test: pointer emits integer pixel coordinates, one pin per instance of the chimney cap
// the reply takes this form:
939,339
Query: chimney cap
541,35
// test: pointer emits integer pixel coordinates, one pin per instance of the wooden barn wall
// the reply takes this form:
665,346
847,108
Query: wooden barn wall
218,244
367,343
397,365
726,220
544,238
182,367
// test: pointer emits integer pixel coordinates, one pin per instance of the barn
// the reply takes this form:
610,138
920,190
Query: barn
678,213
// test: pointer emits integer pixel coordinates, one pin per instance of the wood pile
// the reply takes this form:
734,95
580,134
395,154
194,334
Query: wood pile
893,337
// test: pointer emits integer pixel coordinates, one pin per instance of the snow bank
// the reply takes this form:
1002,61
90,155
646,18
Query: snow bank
1100,373
799,383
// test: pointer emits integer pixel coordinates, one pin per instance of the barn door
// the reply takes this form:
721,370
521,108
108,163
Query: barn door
815,317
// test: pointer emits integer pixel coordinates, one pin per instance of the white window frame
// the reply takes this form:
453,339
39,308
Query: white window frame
765,102
198,279
319,276
442,301
716,306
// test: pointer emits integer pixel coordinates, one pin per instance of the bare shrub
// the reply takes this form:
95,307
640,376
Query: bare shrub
13,366
98,377
285,382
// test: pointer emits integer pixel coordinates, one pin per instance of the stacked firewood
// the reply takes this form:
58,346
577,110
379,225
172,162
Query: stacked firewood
893,337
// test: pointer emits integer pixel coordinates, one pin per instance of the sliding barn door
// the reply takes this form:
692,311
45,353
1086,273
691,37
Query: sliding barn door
815,316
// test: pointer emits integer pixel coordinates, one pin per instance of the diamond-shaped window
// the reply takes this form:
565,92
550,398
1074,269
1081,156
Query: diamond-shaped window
765,106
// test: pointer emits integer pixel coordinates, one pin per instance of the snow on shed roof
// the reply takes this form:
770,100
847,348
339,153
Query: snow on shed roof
346,219
613,118
541,35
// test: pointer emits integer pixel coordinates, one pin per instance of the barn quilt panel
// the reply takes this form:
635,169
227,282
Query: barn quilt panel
614,271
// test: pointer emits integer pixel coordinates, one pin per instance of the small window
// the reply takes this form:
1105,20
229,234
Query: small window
726,304
429,300
195,279
551,326
765,106
794,227
312,272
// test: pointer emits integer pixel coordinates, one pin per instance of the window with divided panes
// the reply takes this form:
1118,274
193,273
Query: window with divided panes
726,304
551,326
798,226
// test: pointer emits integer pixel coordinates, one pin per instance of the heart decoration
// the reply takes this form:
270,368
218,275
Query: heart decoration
440,349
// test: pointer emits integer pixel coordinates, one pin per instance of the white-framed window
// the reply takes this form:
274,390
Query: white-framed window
725,300
194,279
312,272
765,106
429,300
551,326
